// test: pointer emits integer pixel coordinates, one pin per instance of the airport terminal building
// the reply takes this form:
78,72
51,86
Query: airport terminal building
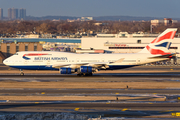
123,45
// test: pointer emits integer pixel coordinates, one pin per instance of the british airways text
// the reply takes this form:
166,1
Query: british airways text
50,58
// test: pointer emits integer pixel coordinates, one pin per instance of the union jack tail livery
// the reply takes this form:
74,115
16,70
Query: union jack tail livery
161,45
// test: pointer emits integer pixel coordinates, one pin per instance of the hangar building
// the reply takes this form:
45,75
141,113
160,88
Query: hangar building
9,46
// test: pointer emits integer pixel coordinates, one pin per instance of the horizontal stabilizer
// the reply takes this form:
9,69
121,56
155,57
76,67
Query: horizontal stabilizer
163,56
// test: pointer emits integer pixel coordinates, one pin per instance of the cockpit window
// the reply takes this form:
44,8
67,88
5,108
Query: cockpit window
16,54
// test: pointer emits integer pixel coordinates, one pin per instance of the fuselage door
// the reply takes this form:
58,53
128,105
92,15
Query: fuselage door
102,60
77,60
138,61
26,62
48,62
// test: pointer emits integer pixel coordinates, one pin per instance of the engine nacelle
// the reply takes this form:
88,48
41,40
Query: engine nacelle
87,69
66,70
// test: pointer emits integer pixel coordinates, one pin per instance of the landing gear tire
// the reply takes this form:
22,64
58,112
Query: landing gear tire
79,74
21,73
90,74
84,74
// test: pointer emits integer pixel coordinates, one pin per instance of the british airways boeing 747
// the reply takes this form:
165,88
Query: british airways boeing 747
86,64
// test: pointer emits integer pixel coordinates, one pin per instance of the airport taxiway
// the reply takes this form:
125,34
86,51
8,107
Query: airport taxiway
95,92
106,109
145,91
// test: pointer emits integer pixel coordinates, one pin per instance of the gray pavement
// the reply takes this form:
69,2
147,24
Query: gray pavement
95,108
116,108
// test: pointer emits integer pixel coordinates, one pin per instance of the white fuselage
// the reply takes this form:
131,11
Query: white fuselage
45,60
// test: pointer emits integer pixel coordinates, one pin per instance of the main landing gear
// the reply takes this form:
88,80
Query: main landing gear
21,72
84,74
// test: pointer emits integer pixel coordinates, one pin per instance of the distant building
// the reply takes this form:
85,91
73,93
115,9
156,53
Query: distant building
1,13
86,18
9,13
127,35
32,36
68,20
14,13
166,21
98,24
22,12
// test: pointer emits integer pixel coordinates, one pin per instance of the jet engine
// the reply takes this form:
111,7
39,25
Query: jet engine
66,70
87,69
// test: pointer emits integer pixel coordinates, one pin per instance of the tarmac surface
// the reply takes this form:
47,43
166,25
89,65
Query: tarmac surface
139,92
52,92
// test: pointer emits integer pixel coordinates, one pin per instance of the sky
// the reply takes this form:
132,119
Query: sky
79,8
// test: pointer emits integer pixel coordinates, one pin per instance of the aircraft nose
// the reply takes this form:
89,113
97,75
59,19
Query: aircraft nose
5,62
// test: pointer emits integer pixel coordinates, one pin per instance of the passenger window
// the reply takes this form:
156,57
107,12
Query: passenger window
138,41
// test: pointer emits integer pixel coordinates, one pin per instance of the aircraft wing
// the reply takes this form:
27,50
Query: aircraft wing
96,65
68,65
103,65
120,60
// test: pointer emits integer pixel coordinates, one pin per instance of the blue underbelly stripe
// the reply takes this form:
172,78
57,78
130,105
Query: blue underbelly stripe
111,67
35,67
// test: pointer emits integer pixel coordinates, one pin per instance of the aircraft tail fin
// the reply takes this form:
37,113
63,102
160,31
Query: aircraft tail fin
161,45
